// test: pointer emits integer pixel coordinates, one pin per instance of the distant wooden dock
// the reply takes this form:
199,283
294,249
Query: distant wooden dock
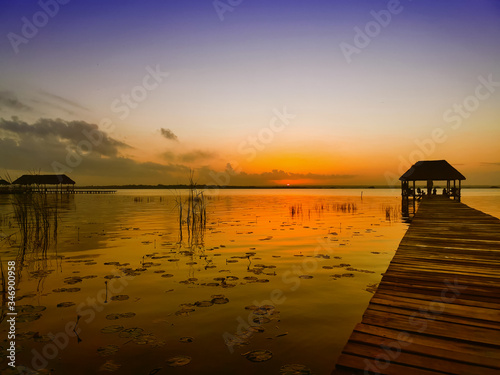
437,308
95,191
59,191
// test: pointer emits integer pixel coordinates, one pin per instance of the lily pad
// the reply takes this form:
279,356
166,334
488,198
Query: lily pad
237,341
19,298
186,339
220,300
119,297
73,280
305,276
131,332
112,329
267,307
294,370
184,312
110,366
105,351
43,338
178,361
147,338
204,303
30,309
251,307
25,335
119,316
27,317
65,304
127,315
258,355
167,275
261,319
372,288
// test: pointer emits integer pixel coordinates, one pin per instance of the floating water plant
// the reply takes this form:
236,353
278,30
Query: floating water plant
258,355
105,351
178,361
112,329
294,369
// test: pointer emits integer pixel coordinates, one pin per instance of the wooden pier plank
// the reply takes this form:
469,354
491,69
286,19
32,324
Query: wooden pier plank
438,304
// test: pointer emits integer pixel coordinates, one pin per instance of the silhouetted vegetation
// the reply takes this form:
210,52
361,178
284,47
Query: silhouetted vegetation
36,217
194,210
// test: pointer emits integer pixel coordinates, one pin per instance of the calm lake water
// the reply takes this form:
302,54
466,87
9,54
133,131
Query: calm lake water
285,272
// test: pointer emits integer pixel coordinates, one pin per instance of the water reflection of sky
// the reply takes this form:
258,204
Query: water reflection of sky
343,242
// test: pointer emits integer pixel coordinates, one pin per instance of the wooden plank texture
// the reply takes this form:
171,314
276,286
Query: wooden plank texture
437,308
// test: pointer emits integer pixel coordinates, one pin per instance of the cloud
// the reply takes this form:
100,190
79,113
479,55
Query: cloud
27,147
169,134
169,155
196,155
57,131
62,100
29,154
9,100
231,177
490,164
188,157
37,146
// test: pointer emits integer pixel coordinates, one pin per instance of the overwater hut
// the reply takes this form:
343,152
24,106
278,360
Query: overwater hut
45,183
429,171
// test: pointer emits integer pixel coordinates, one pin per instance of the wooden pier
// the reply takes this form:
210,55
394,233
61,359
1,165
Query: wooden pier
437,308
58,191
95,191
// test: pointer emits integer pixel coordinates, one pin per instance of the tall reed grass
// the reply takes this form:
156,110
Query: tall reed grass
36,215
192,211
392,213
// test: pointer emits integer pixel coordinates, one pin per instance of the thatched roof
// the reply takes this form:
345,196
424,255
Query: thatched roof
3,182
436,170
47,179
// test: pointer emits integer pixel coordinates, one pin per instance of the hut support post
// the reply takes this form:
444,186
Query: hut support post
459,190
404,198
414,196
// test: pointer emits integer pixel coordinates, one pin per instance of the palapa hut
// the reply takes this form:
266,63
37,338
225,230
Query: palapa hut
430,171
41,183
4,186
